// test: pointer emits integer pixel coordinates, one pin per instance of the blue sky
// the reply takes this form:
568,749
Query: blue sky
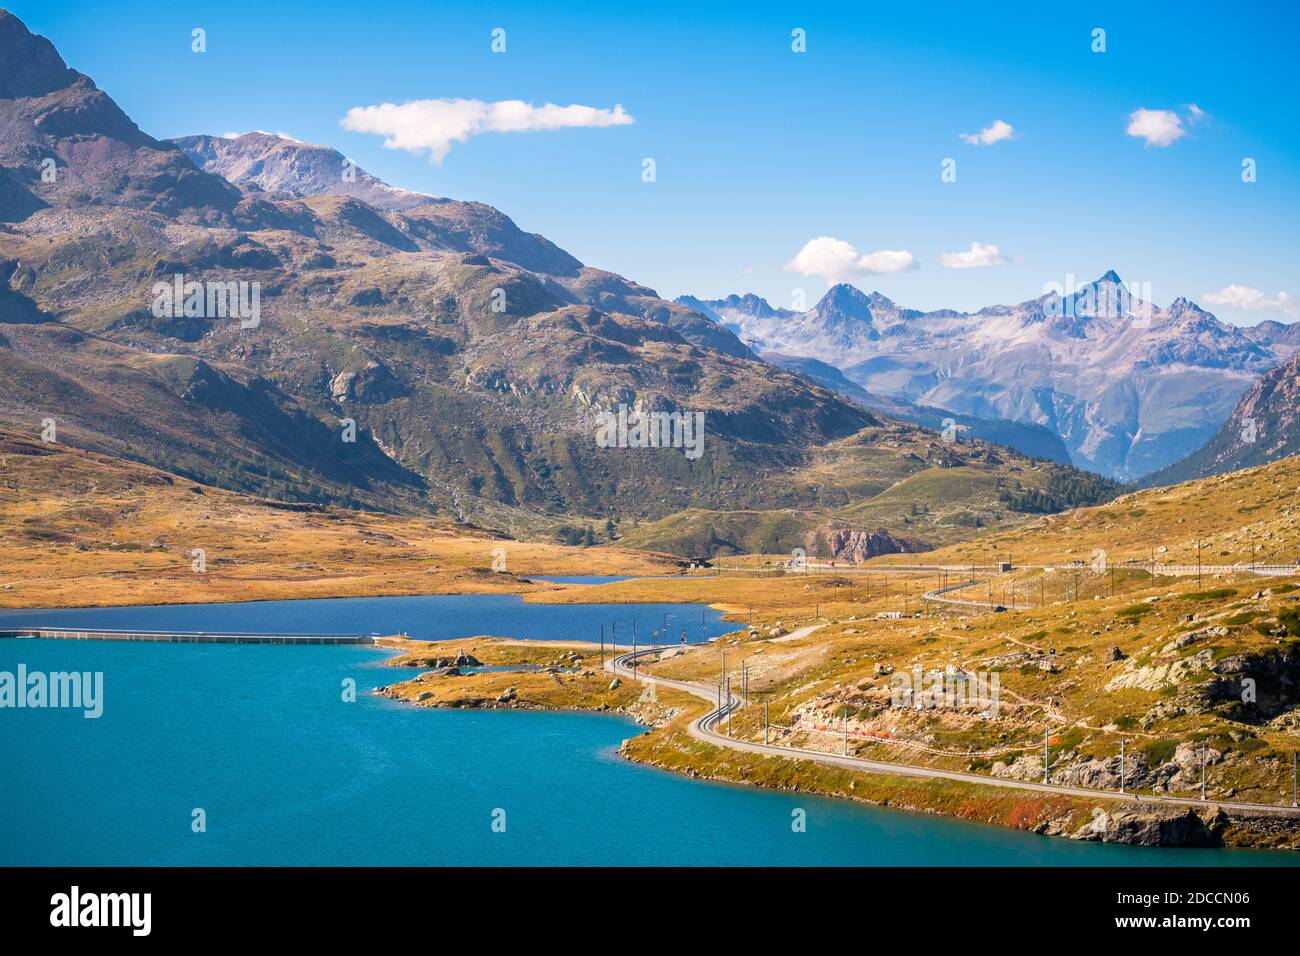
759,150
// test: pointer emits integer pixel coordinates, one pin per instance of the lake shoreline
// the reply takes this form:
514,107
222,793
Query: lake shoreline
666,746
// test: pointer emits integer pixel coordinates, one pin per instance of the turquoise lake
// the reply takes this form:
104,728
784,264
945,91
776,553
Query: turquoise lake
288,772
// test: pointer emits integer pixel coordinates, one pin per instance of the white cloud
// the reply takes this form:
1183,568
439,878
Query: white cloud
978,256
1252,300
989,135
1157,127
838,261
433,125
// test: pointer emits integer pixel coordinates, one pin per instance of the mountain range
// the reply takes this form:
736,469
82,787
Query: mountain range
1128,387
466,358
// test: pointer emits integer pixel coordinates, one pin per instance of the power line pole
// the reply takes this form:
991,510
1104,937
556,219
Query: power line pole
1121,764
602,647
765,725
1204,744
846,730
1293,779
1046,752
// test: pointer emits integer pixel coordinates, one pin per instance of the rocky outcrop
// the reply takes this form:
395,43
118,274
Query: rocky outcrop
1162,673
843,544
439,663
1253,687
1153,826
374,383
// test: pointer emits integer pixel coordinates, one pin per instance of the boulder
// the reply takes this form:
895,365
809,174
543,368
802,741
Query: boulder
1152,826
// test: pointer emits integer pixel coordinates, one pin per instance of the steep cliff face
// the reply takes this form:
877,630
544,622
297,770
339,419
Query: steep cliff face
1264,426
843,544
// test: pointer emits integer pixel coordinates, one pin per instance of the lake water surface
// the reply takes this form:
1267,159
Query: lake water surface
288,772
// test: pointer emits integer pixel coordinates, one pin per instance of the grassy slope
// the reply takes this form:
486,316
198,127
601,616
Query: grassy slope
1238,517
85,529
1182,649
892,477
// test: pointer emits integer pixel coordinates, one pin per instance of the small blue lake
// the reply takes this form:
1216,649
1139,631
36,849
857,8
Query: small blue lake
424,617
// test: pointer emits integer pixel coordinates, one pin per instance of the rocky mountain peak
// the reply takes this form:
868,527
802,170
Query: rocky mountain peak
51,113
844,301
750,304
29,64
270,162
1183,307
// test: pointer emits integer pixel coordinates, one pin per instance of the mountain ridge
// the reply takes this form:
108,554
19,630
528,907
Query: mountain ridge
428,359
1128,386
1263,427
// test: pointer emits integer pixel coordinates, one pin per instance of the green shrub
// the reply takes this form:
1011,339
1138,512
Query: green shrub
1290,619
1245,617
1159,751
1134,610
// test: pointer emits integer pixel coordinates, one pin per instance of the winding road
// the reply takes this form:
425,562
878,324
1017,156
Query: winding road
705,728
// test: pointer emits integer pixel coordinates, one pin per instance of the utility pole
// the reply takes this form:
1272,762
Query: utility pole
602,647
1203,756
1293,779
1198,572
1046,752
1121,764
846,730
765,730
